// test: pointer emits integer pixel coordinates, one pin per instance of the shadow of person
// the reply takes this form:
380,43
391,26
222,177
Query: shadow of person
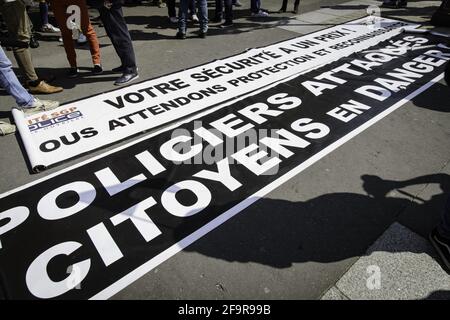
328,228
435,99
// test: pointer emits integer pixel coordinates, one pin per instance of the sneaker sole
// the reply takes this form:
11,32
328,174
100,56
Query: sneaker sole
433,241
122,84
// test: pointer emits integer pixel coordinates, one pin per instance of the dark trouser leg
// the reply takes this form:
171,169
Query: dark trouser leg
284,5
192,10
202,6
182,15
255,5
117,31
171,8
219,10
19,28
228,10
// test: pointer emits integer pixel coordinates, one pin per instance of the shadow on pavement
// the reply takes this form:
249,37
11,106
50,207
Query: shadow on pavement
432,100
439,295
332,227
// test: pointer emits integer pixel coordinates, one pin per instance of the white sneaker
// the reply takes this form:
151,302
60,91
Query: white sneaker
50,28
173,19
260,14
194,18
81,39
39,106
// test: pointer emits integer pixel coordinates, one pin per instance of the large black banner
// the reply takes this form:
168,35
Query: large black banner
92,230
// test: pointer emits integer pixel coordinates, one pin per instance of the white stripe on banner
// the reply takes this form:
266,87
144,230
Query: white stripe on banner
88,124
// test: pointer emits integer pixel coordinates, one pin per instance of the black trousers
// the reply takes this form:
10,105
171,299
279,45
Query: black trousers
117,30
285,2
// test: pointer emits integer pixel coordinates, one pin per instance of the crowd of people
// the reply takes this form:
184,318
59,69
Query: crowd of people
15,18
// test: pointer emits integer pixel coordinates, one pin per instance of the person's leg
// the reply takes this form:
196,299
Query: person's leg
11,84
182,16
192,9
17,21
46,26
296,4
228,11
59,8
203,16
117,31
89,32
43,11
255,6
284,6
218,13
171,11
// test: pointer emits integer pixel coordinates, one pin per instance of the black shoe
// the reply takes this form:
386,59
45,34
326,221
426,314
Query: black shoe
295,10
73,73
226,24
394,4
33,42
442,246
202,34
402,3
117,69
126,78
282,10
180,35
97,69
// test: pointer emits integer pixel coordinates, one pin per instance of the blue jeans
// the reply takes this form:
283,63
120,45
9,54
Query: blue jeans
11,84
202,15
255,6
444,225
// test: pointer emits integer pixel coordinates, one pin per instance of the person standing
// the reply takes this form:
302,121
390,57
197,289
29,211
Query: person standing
171,11
220,4
46,26
111,15
255,8
202,17
19,28
24,100
284,6
59,8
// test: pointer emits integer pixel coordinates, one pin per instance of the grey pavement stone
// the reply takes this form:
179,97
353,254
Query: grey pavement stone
334,294
407,265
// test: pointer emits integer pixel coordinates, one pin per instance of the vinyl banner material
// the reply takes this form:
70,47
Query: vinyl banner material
85,125
91,230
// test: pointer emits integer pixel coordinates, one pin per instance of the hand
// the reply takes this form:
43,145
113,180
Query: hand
108,4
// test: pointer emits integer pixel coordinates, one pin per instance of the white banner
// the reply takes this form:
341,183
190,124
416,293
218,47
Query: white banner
88,124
